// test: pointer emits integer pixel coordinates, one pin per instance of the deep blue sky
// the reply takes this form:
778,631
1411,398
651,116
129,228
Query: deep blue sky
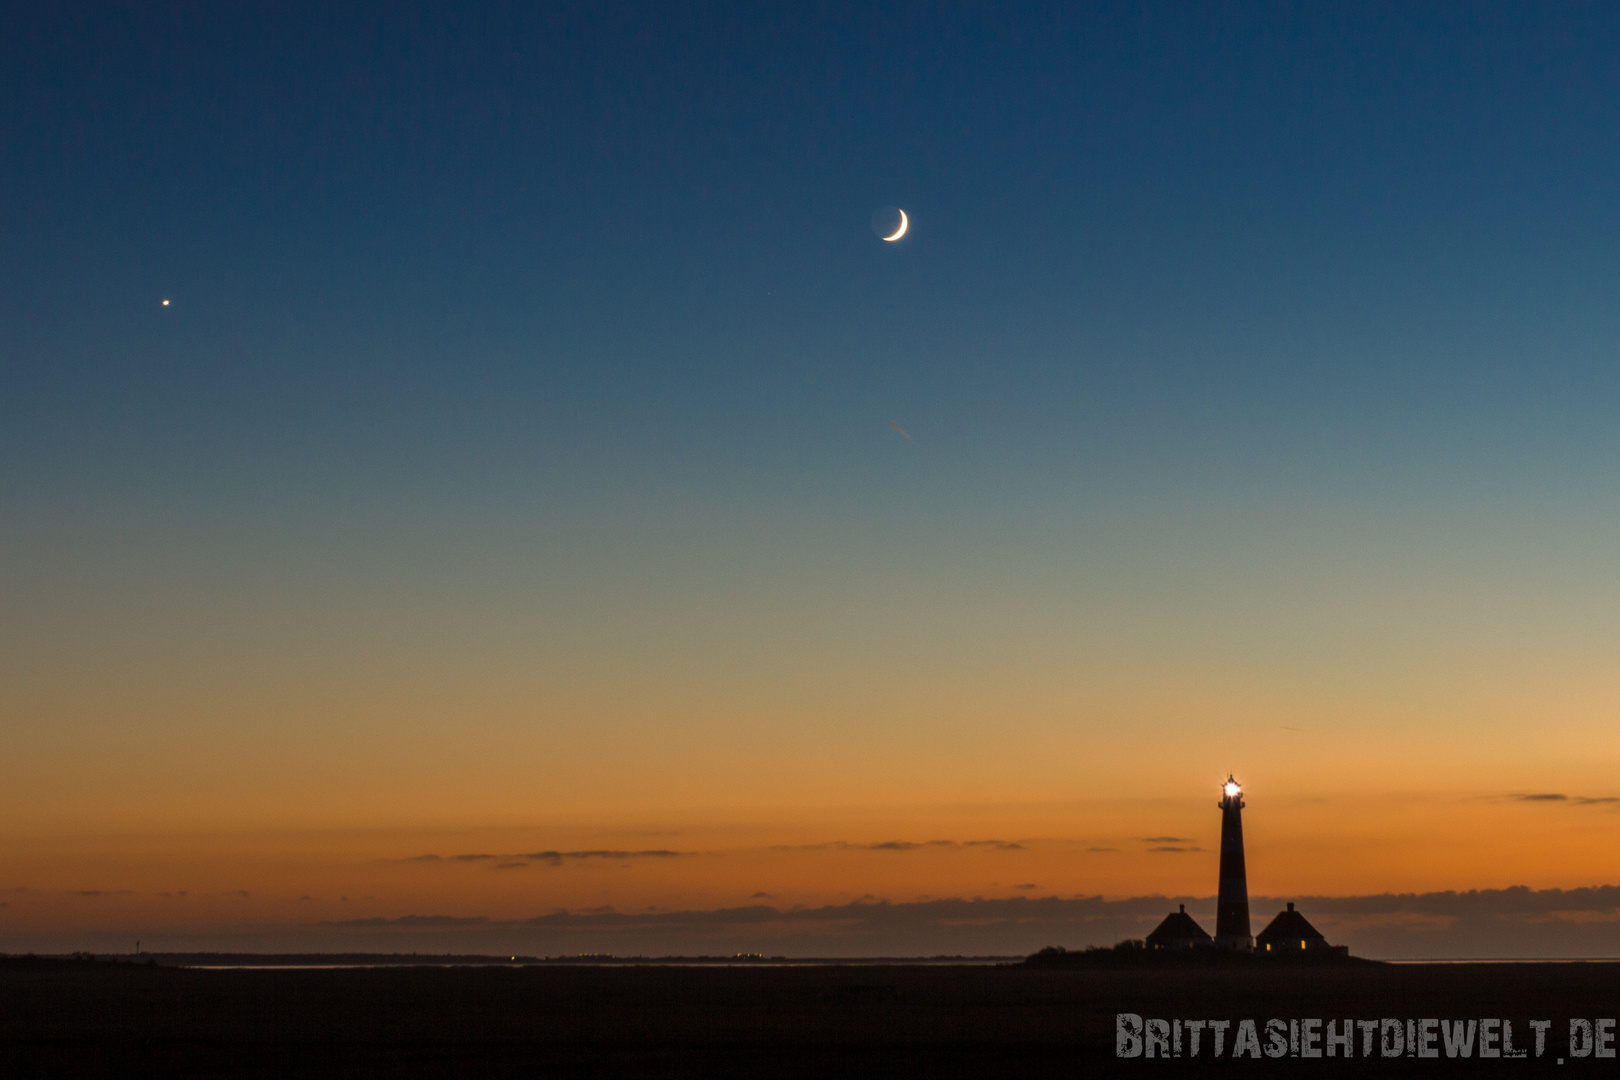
1175,245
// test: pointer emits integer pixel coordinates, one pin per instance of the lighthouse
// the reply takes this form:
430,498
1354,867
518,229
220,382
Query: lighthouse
1232,902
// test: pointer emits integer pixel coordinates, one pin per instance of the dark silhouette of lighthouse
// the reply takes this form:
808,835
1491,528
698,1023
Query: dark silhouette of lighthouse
1232,902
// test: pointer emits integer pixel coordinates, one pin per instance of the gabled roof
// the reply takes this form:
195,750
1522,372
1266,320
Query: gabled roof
1177,926
1289,925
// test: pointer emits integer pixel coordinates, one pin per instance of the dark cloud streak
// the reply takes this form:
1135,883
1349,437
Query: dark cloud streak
1559,797
508,862
901,845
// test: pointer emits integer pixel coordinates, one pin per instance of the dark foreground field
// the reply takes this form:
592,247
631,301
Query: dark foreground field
98,1018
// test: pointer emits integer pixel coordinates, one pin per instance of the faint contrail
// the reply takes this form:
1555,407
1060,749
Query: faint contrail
901,430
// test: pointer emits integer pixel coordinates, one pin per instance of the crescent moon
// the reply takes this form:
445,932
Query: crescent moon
901,231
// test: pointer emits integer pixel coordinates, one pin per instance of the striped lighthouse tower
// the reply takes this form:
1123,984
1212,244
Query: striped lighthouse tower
1232,903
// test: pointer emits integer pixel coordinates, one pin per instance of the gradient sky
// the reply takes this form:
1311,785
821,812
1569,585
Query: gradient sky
516,467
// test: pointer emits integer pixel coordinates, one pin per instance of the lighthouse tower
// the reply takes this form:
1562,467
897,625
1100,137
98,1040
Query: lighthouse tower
1232,903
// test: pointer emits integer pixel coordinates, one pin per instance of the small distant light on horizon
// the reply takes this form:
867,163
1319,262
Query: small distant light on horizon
165,303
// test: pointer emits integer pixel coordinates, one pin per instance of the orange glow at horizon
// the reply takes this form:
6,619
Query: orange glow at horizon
1300,845
290,732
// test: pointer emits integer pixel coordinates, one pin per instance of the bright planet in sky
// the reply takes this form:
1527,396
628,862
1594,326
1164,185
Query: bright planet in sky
890,223
165,303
